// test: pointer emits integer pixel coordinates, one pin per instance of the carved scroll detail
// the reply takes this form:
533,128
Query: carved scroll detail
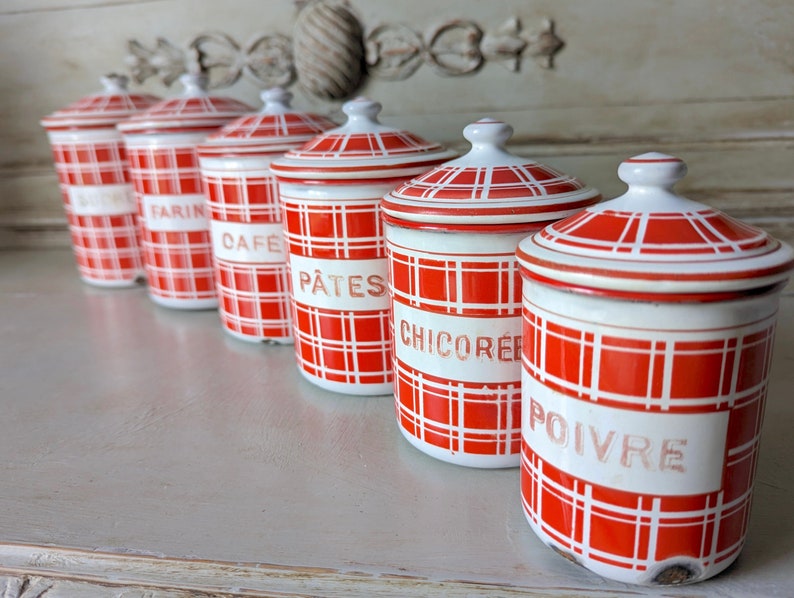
330,56
24,587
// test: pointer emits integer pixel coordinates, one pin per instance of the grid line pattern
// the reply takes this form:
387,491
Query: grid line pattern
627,530
491,182
106,247
703,232
647,370
458,415
347,346
254,301
336,230
110,105
179,263
242,197
475,284
273,128
364,146
253,298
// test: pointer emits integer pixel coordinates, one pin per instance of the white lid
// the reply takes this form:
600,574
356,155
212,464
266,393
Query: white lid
104,109
488,185
194,109
274,129
362,148
651,240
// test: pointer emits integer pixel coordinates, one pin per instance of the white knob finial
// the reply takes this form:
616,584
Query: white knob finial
276,100
652,170
362,109
194,84
114,83
488,132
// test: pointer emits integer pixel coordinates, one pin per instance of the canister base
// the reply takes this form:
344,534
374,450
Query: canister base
265,340
114,284
464,459
185,303
672,571
348,389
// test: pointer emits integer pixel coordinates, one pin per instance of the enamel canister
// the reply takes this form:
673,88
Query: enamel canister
330,191
455,288
245,216
172,209
98,198
648,332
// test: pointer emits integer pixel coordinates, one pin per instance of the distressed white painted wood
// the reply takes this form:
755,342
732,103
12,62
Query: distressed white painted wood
709,77
147,453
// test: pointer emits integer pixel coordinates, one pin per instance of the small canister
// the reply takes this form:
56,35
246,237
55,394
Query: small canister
648,331
173,213
330,192
451,238
245,217
98,198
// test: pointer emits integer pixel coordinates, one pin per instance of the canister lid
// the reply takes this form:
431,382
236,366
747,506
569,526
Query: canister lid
488,185
274,129
104,109
194,109
653,241
362,148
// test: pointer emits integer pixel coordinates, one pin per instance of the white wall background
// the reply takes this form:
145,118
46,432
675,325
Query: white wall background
711,81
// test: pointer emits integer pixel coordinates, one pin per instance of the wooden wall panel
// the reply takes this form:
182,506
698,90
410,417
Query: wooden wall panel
709,80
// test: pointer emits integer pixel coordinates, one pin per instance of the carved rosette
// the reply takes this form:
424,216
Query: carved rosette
330,56
329,50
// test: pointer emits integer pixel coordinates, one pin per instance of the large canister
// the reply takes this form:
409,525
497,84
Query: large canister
648,331
98,198
451,238
172,209
245,216
330,192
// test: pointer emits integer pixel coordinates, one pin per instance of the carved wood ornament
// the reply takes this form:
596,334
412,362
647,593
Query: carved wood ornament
330,55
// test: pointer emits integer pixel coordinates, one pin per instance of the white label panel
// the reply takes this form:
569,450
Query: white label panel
248,243
102,200
176,212
648,453
457,347
354,285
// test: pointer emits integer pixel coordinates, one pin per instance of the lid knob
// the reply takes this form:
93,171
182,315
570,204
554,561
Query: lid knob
652,170
114,83
276,100
362,110
194,84
487,132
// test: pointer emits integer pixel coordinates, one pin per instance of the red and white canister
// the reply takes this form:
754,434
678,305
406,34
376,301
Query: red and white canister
648,331
455,288
98,199
330,192
245,217
173,213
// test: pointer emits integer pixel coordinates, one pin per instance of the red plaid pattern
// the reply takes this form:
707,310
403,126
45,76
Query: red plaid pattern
459,417
705,232
106,246
254,299
335,230
343,347
484,285
179,264
343,344
446,404
715,370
